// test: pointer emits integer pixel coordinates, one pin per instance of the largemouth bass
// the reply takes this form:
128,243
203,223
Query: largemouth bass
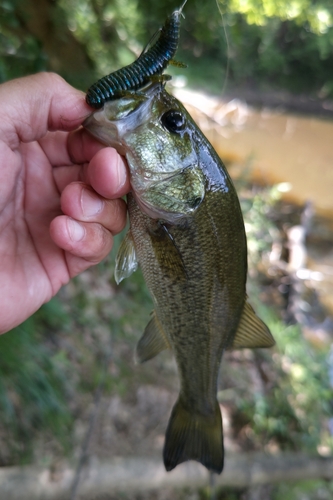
187,234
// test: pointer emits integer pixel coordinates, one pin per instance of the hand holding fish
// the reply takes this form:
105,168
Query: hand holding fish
59,193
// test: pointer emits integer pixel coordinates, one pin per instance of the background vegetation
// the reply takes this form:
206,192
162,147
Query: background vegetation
83,340
265,43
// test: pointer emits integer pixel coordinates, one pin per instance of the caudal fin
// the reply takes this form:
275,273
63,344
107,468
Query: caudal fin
193,436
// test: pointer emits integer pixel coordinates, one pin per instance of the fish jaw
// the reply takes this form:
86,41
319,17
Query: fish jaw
111,123
117,118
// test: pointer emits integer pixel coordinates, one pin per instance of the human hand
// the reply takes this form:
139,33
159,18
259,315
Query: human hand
59,193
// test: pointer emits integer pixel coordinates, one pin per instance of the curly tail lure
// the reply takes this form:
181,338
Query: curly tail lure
151,62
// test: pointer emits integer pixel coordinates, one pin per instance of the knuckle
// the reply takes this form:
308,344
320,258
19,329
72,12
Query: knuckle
118,215
102,243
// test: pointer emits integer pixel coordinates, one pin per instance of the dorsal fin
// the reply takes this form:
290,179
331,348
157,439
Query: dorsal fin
251,332
153,341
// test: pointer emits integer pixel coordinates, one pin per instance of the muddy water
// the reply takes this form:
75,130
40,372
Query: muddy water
275,147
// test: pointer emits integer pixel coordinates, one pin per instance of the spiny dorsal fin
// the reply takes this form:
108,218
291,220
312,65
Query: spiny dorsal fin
153,341
251,332
126,261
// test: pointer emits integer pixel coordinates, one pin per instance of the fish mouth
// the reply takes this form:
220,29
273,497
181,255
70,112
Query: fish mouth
104,131
120,116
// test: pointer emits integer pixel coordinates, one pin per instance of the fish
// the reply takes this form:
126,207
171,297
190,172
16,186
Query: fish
187,234
149,65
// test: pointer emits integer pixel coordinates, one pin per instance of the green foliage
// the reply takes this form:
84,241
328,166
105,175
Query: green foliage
319,14
53,363
107,28
260,230
33,384
280,53
294,411
305,490
20,53
260,43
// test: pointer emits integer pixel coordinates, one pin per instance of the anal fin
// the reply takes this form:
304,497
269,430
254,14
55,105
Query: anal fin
251,332
153,341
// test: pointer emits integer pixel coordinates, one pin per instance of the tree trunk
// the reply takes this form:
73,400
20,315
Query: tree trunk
46,21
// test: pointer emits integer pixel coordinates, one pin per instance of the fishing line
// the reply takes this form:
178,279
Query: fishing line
228,45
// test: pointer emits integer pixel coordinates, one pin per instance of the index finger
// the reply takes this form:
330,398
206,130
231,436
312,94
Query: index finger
35,104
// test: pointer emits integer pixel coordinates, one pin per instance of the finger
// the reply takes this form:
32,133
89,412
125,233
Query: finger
33,105
54,145
82,146
63,148
86,240
108,174
82,203
66,175
76,265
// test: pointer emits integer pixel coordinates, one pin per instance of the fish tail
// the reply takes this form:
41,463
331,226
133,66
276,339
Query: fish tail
194,436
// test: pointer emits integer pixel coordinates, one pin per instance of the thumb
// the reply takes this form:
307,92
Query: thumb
32,105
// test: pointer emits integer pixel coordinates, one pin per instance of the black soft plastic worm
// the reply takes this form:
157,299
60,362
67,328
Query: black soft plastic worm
151,62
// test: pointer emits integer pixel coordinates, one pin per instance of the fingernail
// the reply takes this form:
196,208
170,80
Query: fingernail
75,230
90,203
120,171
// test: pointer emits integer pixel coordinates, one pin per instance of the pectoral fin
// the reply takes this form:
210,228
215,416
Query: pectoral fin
251,332
126,261
153,341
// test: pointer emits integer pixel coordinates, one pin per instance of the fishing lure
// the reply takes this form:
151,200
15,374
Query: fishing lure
151,62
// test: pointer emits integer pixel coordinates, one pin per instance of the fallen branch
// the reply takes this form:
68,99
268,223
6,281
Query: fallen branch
143,474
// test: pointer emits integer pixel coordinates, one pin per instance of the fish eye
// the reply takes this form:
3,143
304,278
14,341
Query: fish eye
174,121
